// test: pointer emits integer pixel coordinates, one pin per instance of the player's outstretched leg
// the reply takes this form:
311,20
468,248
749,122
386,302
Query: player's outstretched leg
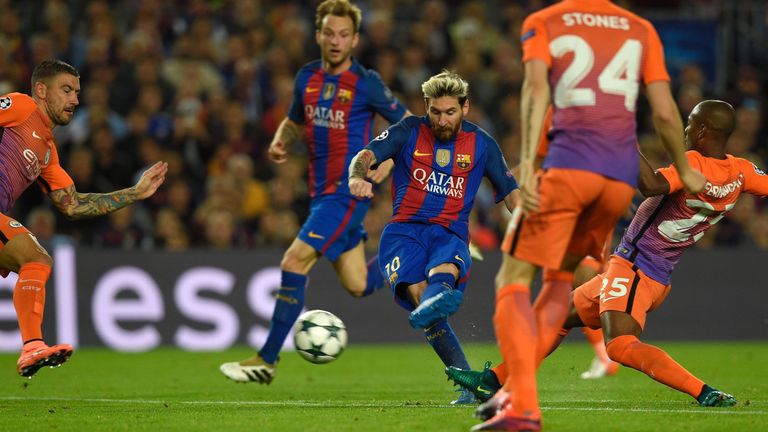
602,365
712,397
483,384
443,340
440,300
253,369
261,367
37,354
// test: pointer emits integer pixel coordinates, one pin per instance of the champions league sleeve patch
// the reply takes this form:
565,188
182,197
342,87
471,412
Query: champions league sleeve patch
5,103
758,170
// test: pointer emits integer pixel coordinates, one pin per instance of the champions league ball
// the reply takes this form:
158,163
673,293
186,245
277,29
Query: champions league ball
319,336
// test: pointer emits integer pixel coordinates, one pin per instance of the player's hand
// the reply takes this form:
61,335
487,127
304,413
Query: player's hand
150,180
360,188
381,172
693,180
277,152
529,189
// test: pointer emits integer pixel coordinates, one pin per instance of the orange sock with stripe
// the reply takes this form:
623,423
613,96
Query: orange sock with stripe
595,338
654,362
517,335
551,309
29,300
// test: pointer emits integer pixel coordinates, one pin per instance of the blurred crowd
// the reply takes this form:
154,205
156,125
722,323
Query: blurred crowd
203,85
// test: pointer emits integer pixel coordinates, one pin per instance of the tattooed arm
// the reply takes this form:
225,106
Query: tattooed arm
358,168
76,205
535,97
287,133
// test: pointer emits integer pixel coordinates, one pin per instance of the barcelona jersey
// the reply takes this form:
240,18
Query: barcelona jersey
598,56
666,225
27,150
435,181
337,112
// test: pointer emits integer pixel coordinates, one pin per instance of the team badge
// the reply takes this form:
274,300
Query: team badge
5,103
463,160
344,96
14,224
443,157
328,91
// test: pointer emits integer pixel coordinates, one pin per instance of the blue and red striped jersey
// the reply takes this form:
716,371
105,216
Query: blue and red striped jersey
435,181
337,112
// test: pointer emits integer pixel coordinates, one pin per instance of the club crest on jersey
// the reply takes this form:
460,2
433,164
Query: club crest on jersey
14,224
344,96
443,157
328,90
463,160
5,103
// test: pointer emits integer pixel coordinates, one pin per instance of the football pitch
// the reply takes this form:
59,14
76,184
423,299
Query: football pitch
370,388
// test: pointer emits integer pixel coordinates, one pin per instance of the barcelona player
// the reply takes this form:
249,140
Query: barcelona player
28,154
440,160
336,99
588,58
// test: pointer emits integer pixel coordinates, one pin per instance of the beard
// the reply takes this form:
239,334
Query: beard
446,133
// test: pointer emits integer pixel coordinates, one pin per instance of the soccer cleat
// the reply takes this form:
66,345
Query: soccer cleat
31,360
598,369
711,397
252,369
465,398
506,422
492,406
435,308
483,384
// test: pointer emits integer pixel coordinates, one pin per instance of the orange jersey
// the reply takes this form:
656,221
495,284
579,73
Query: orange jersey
543,148
664,226
27,150
598,55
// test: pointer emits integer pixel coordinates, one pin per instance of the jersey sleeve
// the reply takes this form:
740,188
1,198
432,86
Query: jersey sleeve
388,143
381,99
53,177
296,110
654,68
755,180
15,108
497,171
535,40
673,177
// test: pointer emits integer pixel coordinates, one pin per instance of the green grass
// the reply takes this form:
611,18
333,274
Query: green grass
370,388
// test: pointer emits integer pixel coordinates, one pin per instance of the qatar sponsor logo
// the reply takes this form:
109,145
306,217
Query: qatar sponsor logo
439,183
325,117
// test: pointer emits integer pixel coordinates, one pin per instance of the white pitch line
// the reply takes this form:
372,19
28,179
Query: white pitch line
350,404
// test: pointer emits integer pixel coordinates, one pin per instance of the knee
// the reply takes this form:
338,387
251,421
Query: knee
617,347
37,257
293,262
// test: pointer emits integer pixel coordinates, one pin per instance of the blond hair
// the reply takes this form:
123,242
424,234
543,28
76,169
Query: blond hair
340,8
446,83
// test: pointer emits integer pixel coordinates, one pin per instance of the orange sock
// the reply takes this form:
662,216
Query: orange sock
501,372
654,362
595,338
517,335
29,300
551,309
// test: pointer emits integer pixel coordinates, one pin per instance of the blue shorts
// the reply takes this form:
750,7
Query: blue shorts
335,224
407,251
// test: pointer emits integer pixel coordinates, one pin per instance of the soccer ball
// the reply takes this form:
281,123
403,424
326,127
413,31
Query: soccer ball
319,336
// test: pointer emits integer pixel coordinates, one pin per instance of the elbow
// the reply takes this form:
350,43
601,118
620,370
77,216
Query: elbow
69,213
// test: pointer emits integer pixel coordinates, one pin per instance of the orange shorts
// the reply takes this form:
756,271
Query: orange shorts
623,288
577,213
9,228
